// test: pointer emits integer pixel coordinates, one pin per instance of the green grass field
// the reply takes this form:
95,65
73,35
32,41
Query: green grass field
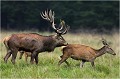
107,66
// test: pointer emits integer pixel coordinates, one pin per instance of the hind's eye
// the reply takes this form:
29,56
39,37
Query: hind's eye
109,47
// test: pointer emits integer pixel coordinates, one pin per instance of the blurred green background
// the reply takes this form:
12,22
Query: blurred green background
25,15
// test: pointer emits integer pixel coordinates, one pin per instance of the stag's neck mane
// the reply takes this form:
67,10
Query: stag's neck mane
49,43
100,51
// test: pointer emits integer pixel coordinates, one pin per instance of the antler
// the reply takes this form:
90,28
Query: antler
49,16
62,24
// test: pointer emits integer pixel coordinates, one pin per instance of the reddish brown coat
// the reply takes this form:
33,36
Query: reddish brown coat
84,53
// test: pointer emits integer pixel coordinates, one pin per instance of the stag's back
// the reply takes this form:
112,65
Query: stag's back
25,41
28,42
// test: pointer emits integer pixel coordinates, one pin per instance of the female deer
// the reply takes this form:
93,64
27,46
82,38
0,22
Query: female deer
84,53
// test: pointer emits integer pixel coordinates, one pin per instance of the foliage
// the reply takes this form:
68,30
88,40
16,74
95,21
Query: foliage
24,15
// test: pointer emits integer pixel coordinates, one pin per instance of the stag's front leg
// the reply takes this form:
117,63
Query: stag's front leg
36,58
33,56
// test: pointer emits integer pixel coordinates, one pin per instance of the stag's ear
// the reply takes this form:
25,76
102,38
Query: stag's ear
54,36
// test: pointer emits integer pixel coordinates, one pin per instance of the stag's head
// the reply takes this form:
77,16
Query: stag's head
108,49
60,30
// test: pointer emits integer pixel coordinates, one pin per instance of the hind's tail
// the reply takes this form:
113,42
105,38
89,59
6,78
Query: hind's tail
62,48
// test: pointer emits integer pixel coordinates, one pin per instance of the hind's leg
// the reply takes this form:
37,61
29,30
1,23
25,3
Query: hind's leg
81,65
21,54
7,56
65,61
26,57
92,63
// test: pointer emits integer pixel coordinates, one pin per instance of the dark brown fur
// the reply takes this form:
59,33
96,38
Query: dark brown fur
84,53
5,41
33,43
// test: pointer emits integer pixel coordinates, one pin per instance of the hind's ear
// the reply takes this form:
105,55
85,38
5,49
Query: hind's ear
104,42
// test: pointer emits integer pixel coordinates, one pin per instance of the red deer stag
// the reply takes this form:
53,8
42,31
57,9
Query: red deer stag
84,53
36,43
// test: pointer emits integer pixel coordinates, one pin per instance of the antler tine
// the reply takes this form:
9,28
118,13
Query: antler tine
45,15
60,25
50,16
66,30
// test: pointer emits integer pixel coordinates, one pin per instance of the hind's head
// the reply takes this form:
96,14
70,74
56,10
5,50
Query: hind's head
108,49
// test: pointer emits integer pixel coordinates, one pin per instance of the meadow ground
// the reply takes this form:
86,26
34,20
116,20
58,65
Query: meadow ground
107,66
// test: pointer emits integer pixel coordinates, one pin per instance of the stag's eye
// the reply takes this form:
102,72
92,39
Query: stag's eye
60,37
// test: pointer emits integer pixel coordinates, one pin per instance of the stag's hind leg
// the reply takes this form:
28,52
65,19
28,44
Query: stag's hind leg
14,54
7,55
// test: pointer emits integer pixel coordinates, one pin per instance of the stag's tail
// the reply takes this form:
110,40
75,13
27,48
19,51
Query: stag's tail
5,41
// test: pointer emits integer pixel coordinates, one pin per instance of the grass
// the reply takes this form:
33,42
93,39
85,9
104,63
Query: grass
107,66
